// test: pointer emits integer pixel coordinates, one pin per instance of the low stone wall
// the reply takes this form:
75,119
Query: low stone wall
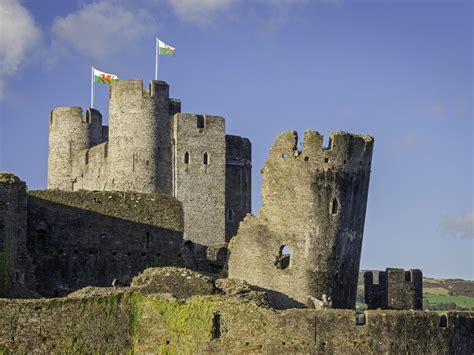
90,238
122,321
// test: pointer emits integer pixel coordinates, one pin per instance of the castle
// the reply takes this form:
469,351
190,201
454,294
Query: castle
144,242
150,146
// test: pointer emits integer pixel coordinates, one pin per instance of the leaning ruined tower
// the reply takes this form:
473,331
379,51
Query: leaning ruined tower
307,238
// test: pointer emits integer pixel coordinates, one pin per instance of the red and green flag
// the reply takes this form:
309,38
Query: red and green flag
104,78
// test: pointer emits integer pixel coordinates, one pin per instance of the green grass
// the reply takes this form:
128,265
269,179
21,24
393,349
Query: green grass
461,301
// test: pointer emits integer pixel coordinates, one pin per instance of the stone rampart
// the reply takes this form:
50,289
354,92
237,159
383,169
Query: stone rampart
88,238
13,258
121,321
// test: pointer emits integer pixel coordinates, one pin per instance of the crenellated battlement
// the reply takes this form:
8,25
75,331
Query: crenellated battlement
345,150
132,90
198,123
394,289
60,116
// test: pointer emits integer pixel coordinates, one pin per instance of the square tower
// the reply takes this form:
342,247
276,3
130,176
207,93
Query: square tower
199,168
395,289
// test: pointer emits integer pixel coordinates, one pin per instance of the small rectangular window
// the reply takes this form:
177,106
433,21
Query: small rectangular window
200,121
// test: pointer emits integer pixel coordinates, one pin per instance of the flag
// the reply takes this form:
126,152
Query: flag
164,49
104,78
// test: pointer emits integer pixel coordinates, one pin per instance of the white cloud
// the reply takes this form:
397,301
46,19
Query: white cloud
203,12
18,35
103,28
459,226
200,11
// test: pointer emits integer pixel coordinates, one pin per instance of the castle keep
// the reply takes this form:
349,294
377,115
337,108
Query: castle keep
150,146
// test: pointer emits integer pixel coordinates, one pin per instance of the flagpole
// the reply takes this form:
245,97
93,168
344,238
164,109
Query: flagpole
92,87
156,58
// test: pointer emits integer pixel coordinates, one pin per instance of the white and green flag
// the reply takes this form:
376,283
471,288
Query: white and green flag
165,49
162,49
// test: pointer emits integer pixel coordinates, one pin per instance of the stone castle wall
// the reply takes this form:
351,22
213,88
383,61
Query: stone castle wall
91,169
84,238
238,182
116,321
307,238
13,258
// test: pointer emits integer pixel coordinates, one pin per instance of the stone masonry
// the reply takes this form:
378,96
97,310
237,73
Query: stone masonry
307,238
13,256
91,238
199,175
395,289
143,150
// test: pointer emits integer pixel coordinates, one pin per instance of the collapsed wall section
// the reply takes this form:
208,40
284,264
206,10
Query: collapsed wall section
307,238
84,238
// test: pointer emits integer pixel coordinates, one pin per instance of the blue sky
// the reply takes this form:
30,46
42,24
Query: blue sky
399,70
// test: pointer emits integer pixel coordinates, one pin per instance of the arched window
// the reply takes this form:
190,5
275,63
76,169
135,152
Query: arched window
335,206
230,215
284,257
205,159
186,158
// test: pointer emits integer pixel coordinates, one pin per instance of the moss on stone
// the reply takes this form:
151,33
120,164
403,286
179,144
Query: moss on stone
170,327
6,277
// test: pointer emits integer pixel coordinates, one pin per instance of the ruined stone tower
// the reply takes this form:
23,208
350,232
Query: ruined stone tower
307,238
151,147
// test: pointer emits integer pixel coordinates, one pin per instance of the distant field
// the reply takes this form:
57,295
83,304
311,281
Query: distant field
460,301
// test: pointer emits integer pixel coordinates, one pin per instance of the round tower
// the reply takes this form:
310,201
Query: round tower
70,132
139,137
307,239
